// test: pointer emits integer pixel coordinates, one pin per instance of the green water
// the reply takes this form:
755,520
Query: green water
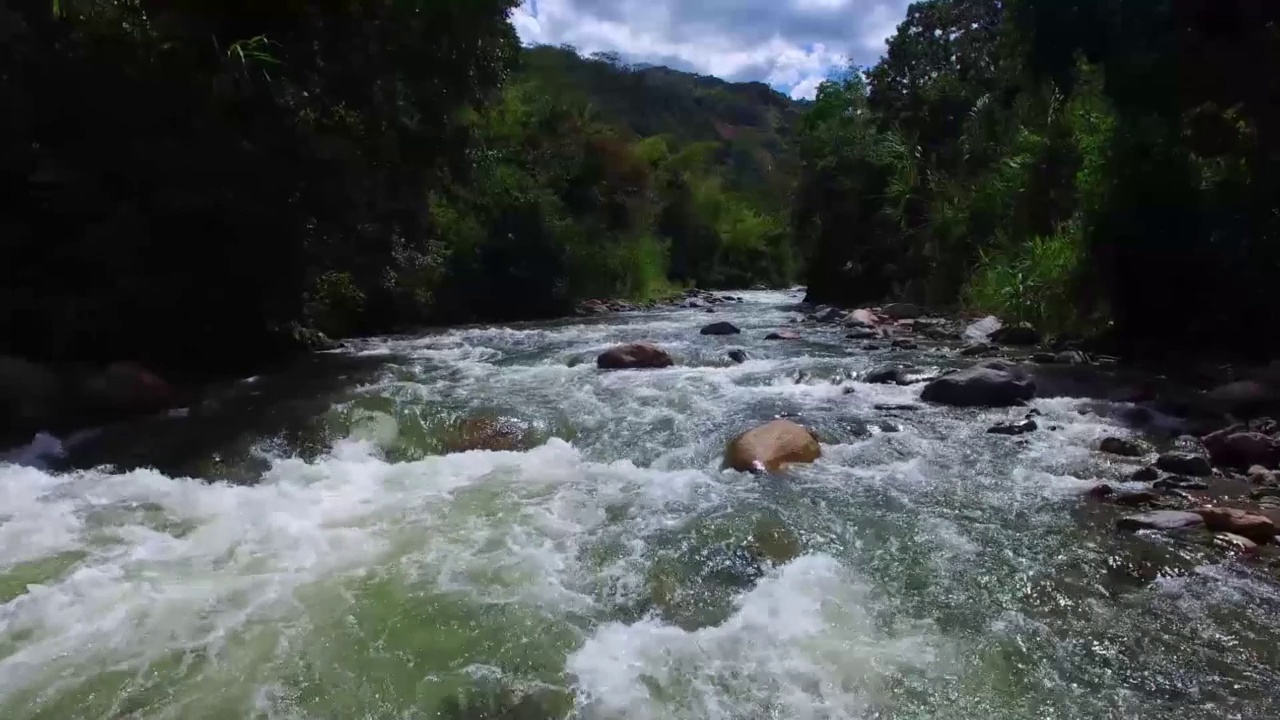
313,544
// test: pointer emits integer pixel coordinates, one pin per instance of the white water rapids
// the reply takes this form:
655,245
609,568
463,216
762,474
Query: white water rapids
921,569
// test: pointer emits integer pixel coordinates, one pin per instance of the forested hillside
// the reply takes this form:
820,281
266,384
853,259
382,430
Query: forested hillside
1085,165
199,183
203,184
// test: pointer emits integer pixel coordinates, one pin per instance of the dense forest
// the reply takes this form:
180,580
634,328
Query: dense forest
1091,166
202,185
194,183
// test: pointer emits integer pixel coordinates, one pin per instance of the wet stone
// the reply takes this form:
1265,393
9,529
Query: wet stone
1146,474
1177,482
1184,463
1013,428
1162,520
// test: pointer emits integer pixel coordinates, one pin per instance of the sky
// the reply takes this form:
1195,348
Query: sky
791,44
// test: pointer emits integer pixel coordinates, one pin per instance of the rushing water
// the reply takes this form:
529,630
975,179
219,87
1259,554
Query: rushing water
308,551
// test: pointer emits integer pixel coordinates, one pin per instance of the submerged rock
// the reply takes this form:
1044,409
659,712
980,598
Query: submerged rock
771,446
720,328
862,334
1013,428
488,433
1122,447
988,385
634,356
977,349
1184,463
739,356
1163,520
783,335
904,344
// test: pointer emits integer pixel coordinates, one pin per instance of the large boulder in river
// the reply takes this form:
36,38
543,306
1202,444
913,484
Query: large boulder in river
993,384
1242,450
1258,528
721,328
1184,463
771,446
634,356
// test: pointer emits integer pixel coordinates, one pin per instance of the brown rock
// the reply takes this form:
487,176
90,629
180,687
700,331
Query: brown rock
1243,449
633,356
770,446
1257,528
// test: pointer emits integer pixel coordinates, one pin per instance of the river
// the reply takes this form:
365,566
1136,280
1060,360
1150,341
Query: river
343,567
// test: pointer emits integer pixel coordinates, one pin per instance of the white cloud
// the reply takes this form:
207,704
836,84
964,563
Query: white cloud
790,44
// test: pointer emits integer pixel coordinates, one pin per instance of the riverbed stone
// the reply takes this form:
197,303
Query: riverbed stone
1071,357
1184,463
1232,541
1259,475
1146,474
977,349
862,317
1258,528
903,344
488,433
1163,520
902,311
783,335
861,333
1178,482
1135,498
1013,428
989,385
772,446
739,356
1241,450
886,375
1022,334
634,356
980,330
1122,447
720,328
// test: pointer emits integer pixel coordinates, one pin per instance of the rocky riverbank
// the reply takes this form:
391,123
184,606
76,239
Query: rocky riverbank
1213,480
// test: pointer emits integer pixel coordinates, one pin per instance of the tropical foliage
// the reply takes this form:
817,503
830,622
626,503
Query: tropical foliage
1067,162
